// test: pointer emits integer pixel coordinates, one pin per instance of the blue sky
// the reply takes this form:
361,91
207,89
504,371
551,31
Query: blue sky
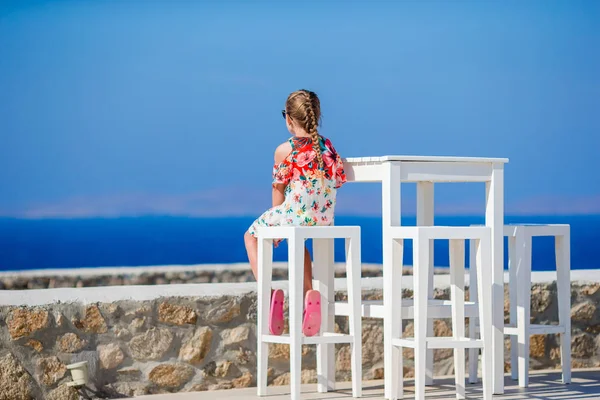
114,108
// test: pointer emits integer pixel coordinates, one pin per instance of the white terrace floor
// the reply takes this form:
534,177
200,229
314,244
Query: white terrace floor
544,385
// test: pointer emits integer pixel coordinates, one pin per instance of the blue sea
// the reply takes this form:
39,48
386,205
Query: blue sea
95,242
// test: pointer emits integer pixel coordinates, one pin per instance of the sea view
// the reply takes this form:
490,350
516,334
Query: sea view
145,241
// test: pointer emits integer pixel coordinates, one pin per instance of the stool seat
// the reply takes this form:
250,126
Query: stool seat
309,232
537,230
323,246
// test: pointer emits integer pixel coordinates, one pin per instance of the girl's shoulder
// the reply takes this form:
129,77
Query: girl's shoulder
283,151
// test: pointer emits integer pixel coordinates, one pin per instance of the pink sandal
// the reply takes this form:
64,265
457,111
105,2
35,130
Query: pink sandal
276,313
311,323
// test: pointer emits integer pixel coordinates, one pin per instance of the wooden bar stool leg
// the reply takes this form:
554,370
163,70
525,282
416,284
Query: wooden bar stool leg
323,272
397,388
457,296
473,321
296,301
523,258
513,289
484,282
353,275
421,291
265,270
429,362
563,283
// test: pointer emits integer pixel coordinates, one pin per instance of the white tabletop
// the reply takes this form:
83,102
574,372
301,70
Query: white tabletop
425,159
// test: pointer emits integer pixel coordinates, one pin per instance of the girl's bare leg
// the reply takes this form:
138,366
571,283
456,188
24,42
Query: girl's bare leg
307,271
252,250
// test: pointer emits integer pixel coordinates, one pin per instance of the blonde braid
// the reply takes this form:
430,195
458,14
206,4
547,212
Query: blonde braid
311,124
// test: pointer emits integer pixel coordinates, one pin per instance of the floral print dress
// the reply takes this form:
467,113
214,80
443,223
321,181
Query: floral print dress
310,192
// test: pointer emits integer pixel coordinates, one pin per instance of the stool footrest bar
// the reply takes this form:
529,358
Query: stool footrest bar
441,343
536,330
326,338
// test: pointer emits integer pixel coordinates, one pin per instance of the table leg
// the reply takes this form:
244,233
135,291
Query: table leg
390,194
425,205
494,218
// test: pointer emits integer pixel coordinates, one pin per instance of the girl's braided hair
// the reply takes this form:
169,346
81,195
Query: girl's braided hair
304,107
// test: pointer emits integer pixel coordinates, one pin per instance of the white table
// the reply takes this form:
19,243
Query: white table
391,171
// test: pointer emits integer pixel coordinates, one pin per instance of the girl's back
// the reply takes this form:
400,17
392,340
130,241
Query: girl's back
311,186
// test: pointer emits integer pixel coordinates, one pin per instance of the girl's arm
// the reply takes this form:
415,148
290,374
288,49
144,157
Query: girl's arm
278,196
281,153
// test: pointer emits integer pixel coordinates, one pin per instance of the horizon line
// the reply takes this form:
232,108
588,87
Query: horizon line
252,216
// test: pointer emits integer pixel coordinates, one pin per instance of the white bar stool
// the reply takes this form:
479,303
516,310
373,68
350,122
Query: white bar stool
519,284
422,237
323,271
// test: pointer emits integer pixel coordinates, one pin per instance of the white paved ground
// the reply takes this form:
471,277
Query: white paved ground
545,385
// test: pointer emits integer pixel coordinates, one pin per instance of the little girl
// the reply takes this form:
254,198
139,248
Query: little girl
306,175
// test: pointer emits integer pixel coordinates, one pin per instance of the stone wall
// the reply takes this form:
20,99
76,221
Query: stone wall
199,343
